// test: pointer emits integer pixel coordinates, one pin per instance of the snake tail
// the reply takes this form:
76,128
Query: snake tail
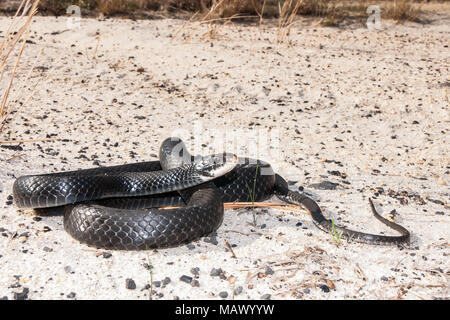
282,191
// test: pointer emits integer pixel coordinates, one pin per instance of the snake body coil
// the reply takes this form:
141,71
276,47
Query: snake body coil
117,207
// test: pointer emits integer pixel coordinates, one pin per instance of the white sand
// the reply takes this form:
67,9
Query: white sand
356,89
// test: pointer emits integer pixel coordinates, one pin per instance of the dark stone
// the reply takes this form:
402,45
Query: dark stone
269,271
166,281
266,296
195,283
324,185
195,271
238,290
216,272
223,294
324,288
130,284
106,254
21,295
186,278
69,269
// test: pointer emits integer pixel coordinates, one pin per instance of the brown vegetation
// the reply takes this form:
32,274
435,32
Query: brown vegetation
330,10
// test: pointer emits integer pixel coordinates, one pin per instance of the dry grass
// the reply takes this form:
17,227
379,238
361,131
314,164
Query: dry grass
402,10
330,11
11,50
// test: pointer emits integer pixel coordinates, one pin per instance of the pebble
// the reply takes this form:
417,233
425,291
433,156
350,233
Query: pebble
186,278
71,295
166,281
211,240
47,249
324,288
106,254
195,271
130,284
269,271
157,284
21,295
195,283
69,269
223,294
266,296
324,185
238,290
216,272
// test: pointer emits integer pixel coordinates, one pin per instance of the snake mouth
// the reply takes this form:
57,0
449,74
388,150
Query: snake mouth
216,165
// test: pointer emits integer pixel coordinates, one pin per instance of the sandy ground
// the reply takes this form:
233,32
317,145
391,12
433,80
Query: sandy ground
367,110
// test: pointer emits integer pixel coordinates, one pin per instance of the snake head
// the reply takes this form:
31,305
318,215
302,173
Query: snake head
216,165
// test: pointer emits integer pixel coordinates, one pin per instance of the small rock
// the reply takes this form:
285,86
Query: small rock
166,281
306,290
269,271
238,290
216,272
195,283
106,254
324,185
71,295
21,295
47,249
384,278
266,296
186,278
195,271
212,240
324,288
130,284
69,269
223,294
157,284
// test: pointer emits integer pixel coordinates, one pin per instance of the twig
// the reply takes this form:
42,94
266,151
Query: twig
230,248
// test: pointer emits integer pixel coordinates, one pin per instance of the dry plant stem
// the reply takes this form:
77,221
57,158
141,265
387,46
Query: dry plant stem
4,120
230,248
8,108
6,94
9,45
184,25
18,35
237,205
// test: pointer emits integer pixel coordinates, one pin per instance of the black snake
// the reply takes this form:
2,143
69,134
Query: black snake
118,207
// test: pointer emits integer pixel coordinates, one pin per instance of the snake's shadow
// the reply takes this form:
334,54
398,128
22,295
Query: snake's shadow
238,230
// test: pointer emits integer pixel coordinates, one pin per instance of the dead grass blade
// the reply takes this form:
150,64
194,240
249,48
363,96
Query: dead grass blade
7,47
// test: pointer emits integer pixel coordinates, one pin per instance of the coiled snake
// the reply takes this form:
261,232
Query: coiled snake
117,207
